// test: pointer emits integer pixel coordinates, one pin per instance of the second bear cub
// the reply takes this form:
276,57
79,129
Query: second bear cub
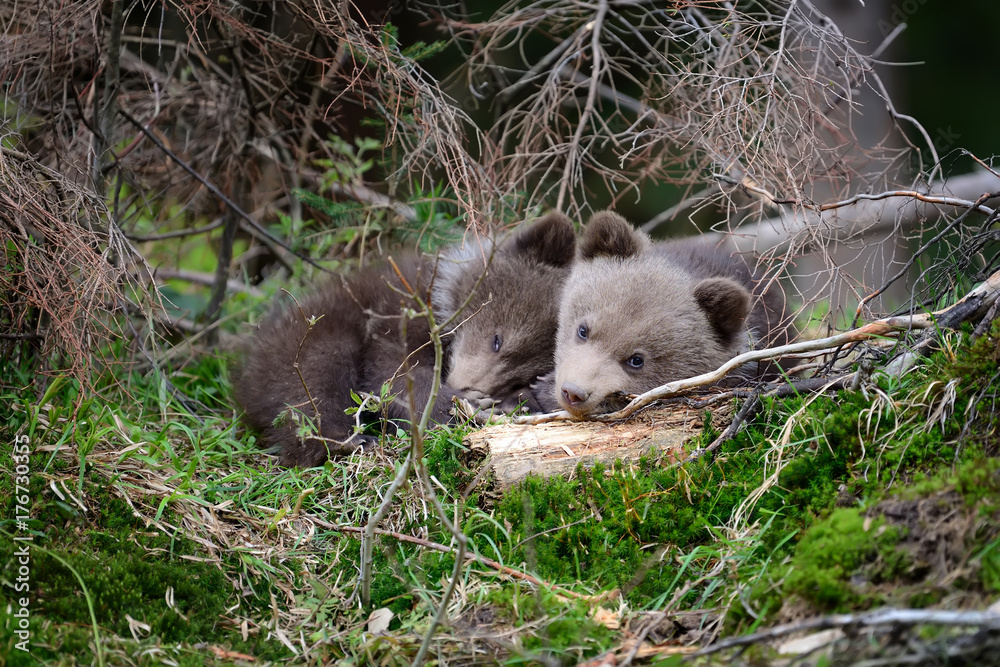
497,345
637,314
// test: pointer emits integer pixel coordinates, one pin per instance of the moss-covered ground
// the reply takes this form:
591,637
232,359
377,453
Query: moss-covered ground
159,534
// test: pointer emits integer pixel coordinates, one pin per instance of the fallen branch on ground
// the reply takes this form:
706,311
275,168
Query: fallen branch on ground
753,405
896,617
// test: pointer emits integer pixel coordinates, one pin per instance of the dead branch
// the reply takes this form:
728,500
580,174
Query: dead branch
895,617
868,214
179,233
22,336
224,257
572,172
779,114
680,387
931,243
747,412
417,431
753,405
368,532
236,209
233,285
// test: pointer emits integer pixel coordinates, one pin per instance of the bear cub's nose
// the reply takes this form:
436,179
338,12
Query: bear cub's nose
574,394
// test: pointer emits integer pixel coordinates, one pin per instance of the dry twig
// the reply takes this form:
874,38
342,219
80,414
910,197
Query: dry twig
895,617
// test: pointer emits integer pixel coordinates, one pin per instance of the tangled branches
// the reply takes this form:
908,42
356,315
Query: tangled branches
196,121
752,109
692,92
66,270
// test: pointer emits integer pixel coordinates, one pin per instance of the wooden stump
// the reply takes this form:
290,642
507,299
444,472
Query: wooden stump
556,448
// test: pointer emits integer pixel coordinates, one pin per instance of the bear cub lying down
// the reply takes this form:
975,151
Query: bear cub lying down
505,339
637,314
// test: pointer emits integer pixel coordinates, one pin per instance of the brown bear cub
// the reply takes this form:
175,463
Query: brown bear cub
495,347
637,314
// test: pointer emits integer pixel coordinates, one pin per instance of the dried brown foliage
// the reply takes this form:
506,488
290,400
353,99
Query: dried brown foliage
751,108
229,90
698,93
182,112
64,274
209,111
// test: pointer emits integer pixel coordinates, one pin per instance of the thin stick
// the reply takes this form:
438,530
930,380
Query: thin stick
215,224
754,405
872,211
543,65
596,70
678,387
298,353
417,454
255,226
368,532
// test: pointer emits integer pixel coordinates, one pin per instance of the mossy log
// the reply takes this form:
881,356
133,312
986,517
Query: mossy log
557,447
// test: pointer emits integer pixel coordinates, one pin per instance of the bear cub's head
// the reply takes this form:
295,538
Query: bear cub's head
505,337
633,317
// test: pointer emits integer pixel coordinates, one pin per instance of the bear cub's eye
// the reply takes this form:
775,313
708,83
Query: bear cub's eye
583,332
635,361
497,342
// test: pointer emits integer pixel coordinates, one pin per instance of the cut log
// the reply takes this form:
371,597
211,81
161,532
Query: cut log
556,448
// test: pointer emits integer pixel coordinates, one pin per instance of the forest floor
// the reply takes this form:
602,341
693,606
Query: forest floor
836,529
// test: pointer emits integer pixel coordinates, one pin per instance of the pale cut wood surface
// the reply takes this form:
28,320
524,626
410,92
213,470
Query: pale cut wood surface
555,448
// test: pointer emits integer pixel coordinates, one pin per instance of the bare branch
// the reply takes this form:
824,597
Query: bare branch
202,278
179,233
897,617
870,213
218,193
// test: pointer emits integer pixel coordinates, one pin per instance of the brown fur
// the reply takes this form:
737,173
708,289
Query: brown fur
505,345
682,307
356,343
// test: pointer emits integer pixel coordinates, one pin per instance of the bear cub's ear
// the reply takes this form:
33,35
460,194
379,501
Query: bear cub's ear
610,235
726,305
550,241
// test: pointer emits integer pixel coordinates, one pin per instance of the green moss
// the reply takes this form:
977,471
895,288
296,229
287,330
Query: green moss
578,636
831,552
559,626
599,527
976,478
128,573
130,583
989,560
